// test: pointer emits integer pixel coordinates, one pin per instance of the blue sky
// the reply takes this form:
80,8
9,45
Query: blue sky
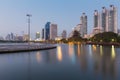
65,13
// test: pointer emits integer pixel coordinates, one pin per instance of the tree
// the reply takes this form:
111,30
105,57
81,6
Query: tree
105,37
76,34
76,37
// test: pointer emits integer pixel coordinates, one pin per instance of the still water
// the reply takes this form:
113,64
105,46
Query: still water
66,62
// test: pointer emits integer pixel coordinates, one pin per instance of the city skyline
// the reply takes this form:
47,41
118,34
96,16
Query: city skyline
64,13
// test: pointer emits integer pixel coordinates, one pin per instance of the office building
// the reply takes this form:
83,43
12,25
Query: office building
43,34
53,31
47,31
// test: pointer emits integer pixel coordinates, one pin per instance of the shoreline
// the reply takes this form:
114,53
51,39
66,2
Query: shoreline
24,48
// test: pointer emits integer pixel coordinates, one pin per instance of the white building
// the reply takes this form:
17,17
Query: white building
107,21
112,19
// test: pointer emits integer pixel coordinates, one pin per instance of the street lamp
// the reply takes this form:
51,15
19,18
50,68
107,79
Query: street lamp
29,15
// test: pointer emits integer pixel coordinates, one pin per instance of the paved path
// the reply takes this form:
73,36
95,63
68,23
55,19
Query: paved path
23,48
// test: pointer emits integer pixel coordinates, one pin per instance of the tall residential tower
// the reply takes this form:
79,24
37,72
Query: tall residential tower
84,24
97,25
104,19
112,19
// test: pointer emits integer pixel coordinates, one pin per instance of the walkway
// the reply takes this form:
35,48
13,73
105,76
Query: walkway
24,48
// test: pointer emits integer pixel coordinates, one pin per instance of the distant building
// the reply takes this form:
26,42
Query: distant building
10,37
96,19
43,31
37,35
107,21
104,19
53,31
19,38
25,37
97,26
84,25
64,34
112,19
47,31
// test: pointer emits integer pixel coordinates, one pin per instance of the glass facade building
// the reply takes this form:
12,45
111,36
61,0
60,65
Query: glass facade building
47,31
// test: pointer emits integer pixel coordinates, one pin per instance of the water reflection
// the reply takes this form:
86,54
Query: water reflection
113,52
101,50
99,63
38,57
72,49
79,50
94,47
59,53
79,62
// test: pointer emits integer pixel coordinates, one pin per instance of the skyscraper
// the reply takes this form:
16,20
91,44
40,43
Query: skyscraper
96,19
43,34
47,31
107,22
104,19
84,24
97,25
112,19
53,31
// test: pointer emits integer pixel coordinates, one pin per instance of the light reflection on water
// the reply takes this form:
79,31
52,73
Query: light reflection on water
38,57
59,53
79,62
113,52
72,53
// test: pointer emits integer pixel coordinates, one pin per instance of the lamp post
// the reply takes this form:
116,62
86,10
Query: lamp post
29,15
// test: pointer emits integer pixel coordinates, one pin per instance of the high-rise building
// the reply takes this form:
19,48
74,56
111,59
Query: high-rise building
96,19
47,31
97,25
37,35
107,21
43,34
84,24
64,34
53,31
112,19
104,19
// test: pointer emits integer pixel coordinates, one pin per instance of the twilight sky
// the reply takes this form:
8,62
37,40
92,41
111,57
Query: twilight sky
65,13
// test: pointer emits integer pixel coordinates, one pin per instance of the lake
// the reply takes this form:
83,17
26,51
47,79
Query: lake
66,62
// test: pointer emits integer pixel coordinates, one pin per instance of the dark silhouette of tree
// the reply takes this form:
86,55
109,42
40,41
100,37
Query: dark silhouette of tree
105,37
76,34
75,37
